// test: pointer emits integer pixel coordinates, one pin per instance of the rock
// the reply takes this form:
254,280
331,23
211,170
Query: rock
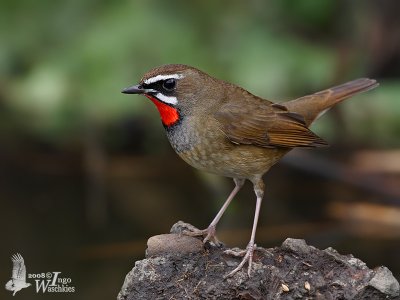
384,282
181,226
296,246
174,244
181,267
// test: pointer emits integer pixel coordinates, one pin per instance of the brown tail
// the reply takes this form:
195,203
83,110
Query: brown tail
313,106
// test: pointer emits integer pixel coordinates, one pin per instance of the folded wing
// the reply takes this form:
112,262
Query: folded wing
260,123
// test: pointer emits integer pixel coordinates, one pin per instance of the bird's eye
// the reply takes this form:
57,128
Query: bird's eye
169,84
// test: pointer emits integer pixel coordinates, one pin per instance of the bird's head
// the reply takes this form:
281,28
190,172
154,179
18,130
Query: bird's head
177,91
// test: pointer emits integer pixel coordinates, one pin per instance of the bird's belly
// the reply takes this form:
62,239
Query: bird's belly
239,161
208,149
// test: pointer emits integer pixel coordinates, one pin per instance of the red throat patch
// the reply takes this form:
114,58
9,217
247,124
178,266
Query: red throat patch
169,115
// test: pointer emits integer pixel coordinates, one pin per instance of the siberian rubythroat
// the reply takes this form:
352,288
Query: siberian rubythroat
221,128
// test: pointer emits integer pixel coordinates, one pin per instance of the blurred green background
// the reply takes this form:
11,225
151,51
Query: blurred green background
87,174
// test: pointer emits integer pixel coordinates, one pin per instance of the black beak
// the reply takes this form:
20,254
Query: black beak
135,89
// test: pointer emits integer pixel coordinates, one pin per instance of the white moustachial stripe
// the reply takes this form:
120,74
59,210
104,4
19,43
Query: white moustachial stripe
162,77
167,99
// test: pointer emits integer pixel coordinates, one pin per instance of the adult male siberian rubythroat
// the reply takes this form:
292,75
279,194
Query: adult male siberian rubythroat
221,128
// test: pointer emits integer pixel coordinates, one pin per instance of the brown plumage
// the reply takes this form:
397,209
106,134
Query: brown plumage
221,128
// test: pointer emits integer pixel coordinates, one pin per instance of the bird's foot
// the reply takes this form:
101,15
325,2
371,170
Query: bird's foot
247,257
208,233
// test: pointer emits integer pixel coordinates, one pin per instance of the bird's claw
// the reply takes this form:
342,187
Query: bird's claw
208,233
247,257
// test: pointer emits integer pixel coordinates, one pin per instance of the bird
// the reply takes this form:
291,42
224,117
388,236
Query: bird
18,278
221,128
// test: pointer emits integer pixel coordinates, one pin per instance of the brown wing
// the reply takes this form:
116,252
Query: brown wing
260,123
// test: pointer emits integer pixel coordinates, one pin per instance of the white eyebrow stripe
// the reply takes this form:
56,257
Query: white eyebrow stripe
162,77
167,99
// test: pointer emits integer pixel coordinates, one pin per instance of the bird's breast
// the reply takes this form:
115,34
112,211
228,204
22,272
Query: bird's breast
203,146
185,135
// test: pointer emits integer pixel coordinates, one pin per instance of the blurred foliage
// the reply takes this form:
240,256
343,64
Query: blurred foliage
63,63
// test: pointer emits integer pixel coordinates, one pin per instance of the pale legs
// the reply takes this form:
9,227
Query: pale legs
209,232
248,253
